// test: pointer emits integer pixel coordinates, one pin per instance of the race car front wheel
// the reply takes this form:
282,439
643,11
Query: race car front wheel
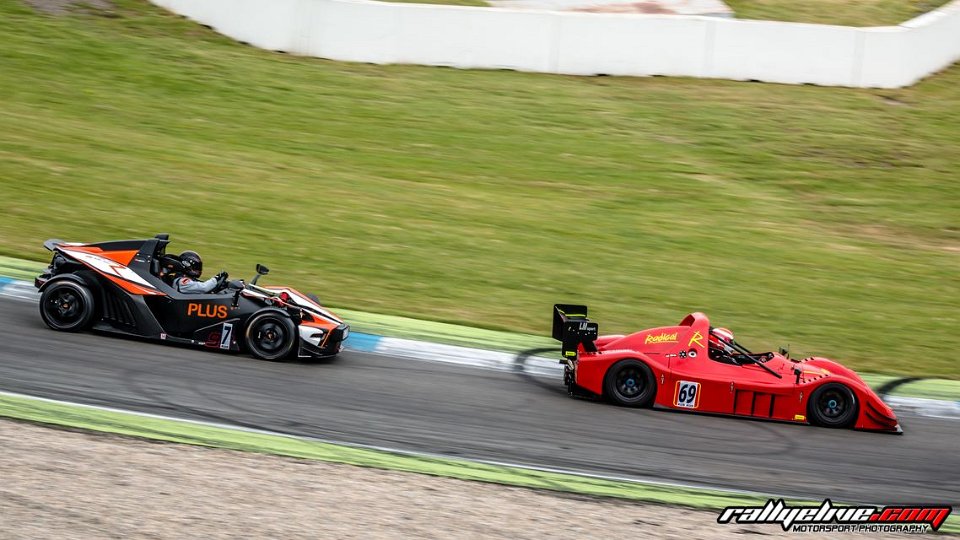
67,306
270,336
630,383
832,405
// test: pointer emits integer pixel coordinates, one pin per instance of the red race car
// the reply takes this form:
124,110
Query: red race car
695,367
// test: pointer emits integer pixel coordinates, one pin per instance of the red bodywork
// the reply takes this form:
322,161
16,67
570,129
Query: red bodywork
678,354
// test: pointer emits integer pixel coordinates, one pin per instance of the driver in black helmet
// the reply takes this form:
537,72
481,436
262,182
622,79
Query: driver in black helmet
189,282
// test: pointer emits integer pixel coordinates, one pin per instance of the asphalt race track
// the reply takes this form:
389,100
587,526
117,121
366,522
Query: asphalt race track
469,412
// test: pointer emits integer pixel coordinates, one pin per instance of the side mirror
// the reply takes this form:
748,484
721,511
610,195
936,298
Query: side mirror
261,271
784,352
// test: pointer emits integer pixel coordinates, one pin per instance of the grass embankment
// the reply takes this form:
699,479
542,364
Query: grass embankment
842,12
819,217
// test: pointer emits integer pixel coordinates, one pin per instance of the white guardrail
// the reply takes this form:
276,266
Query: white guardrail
589,43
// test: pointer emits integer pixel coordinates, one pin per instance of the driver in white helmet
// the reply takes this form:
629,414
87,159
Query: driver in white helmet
721,345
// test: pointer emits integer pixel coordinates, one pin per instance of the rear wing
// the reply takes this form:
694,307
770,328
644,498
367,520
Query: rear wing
572,328
52,243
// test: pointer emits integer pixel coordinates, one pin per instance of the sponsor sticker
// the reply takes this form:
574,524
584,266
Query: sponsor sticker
213,311
828,518
697,338
662,337
213,340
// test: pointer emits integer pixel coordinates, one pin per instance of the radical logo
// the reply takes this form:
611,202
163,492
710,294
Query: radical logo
662,337
829,518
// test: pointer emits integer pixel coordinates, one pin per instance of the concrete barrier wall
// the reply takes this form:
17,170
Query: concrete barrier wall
589,43
784,52
610,44
926,35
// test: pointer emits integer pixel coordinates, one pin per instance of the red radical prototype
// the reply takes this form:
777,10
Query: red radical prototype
695,367
125,287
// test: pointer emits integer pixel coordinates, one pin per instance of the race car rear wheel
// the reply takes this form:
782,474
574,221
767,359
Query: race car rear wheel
630,383
67,306
270,336
832,405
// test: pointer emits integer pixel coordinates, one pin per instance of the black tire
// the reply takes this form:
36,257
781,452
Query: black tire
270,336
630,383
833,405
67,306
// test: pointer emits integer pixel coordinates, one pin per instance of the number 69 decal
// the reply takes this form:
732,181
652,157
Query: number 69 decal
688,395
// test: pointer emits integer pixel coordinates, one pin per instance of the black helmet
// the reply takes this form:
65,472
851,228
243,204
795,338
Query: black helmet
192,264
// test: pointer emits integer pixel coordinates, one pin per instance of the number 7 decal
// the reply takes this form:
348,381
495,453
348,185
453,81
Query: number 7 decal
226,336
688,395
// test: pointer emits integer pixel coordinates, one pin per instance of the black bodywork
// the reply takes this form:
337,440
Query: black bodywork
217,320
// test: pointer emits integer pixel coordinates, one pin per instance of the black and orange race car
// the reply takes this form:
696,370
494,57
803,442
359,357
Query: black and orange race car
125,287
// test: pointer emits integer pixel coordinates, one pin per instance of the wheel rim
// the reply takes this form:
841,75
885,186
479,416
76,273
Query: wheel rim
630,382
270,336
833,404
64,307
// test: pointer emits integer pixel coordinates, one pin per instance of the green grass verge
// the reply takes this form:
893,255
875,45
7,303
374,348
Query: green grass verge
941,389
842,12
58,414
19,269
816,217
453,334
